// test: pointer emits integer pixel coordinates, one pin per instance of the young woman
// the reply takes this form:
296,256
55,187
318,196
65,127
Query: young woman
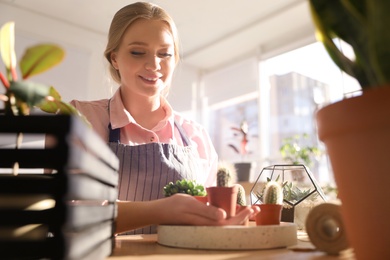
155,144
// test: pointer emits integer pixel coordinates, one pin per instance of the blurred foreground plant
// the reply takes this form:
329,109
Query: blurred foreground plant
21,95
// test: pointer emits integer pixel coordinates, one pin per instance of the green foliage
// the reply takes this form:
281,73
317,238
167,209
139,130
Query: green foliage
184,186
21,95
7,51
363,24
293,152
273,193
39,58
292,193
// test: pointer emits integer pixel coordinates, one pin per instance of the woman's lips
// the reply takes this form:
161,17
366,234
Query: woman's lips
150,80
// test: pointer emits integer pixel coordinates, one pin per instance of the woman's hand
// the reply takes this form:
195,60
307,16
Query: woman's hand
182,209
179,209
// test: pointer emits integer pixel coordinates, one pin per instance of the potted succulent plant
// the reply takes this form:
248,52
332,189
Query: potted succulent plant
356,130
271,208
226,194
189,187
299,197
295,152
298,202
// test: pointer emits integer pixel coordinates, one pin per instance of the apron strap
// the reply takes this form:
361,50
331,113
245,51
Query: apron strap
114,134
183,134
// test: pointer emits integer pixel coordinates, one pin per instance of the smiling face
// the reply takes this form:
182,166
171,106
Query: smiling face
145,58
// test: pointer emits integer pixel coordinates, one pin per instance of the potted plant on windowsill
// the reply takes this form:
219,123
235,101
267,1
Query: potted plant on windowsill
243,168
356,131
294,152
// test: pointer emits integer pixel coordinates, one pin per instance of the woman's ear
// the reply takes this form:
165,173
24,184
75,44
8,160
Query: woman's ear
113,60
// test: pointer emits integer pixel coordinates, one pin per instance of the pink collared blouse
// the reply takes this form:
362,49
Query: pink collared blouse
99,116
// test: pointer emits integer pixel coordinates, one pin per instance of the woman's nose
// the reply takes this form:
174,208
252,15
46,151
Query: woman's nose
153,63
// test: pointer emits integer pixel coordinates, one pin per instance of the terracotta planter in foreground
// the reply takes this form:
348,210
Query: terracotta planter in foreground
269,214
223,197
356,132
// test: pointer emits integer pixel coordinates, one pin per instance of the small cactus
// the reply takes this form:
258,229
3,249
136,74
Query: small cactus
223,178
273,193
225,175
241,200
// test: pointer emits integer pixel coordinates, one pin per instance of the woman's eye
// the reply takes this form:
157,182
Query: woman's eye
165,55
137,53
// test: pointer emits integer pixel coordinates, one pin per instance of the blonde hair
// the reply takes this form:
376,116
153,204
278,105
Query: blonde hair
125,17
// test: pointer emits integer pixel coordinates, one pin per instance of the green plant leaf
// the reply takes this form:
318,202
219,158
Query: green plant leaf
378,22
361,24
29,92
184,186
57,107
320,15
7,46
40,58
53,103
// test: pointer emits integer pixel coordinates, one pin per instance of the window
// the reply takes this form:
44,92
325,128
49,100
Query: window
292,87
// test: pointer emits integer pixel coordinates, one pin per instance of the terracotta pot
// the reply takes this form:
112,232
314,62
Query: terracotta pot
202,199
223,197
269,214
356,133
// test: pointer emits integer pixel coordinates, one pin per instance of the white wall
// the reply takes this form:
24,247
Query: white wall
236,80
181,94
82,74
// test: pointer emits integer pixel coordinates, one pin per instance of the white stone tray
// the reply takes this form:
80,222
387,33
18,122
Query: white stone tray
228,237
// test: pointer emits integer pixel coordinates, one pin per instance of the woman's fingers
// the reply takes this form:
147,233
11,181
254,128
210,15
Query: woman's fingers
187,208
243,214
184,209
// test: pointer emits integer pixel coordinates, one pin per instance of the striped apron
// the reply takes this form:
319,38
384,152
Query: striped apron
145,169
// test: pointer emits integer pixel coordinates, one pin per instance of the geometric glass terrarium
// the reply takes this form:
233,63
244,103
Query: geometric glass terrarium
301,191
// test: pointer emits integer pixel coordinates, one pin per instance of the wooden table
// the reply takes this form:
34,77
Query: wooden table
146,247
